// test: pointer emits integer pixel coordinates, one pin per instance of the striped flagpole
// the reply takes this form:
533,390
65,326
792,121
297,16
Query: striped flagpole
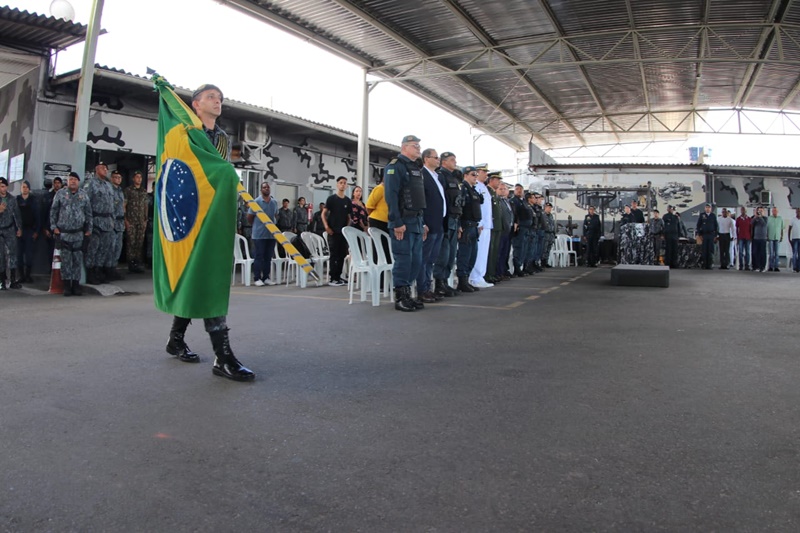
291,251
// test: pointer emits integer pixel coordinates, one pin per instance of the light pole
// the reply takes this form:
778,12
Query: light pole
474,140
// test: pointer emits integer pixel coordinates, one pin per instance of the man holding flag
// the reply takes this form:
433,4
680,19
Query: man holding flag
195,216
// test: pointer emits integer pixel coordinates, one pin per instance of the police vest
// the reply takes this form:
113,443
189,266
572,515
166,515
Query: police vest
472,203
412,193
452,194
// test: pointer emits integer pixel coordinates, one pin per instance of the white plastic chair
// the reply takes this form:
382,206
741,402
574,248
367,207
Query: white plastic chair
361,265
563,251
382,265
292,269
316,245
241,256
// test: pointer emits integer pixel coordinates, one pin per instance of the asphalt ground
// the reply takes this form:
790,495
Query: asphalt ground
551,403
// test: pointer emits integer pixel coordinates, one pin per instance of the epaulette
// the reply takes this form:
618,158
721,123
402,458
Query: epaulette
393,161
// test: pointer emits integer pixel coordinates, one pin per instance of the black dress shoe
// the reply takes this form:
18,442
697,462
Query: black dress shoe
233,370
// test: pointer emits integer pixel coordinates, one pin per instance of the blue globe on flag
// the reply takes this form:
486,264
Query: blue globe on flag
177,200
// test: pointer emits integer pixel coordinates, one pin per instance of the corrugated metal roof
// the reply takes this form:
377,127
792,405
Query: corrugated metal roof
37,34
565,72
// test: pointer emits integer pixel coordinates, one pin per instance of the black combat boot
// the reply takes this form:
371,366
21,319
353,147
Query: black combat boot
463,284
176,345
417,302
226,364
402,299
67,287
112,274
91,277
446,290
26,275
15,279
134,267
3,282
76,287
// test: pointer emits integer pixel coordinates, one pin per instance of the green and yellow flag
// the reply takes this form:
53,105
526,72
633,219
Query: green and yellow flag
195,214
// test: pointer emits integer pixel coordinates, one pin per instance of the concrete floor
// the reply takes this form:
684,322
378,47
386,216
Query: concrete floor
552,403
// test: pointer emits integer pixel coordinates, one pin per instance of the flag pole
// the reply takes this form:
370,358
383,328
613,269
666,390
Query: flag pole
291,251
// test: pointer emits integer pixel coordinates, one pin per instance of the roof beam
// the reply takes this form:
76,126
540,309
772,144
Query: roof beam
765,43
698,76
412,47
487,40
551,17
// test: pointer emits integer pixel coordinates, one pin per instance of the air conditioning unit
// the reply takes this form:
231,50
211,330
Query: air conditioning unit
766,198
254,133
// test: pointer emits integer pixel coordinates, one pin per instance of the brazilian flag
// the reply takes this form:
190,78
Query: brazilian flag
195,214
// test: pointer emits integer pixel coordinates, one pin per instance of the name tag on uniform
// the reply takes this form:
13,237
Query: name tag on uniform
390,171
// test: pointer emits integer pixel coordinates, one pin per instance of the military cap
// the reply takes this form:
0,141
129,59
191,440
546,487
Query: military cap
495,174
445,155
670,207
75,175
3,181
482,166
709,205
550,205
411,139
467,170
528,195
206,87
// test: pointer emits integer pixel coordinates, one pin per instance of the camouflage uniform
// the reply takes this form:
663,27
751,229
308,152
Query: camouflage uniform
101,241
549,234
119,226
136,207
10,223
71,213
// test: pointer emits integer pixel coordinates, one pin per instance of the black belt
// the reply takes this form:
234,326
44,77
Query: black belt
119,218
454,217
102,215
6,227
469,222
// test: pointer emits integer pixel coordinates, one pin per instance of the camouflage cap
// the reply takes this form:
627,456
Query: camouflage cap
206,87
411,139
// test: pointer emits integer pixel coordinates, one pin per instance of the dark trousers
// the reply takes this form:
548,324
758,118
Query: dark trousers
25,248
759,254
430,252
592,250
263,258
671,253
520,243
505,252
707,250
447,251
724,250
467,251
407,259
338,249
494,253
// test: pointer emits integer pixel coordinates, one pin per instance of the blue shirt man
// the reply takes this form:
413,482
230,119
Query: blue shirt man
405,196
263,241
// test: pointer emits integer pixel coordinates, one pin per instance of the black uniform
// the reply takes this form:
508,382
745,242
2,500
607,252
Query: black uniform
637,216
672,231
707,227
451,183
592,231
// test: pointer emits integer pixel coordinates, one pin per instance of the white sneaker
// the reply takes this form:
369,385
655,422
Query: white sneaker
269,282
481,284
258,283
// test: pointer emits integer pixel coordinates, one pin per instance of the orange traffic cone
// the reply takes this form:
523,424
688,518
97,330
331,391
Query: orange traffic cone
56,286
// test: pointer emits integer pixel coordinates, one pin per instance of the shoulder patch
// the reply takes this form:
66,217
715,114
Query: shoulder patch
390,171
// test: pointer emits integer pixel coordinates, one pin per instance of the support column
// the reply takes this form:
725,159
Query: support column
84,99
363,139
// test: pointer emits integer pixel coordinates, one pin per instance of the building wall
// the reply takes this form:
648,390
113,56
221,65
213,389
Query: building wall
17,114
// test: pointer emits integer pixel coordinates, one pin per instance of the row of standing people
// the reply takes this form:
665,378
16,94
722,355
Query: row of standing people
755,239
440,217
87,225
